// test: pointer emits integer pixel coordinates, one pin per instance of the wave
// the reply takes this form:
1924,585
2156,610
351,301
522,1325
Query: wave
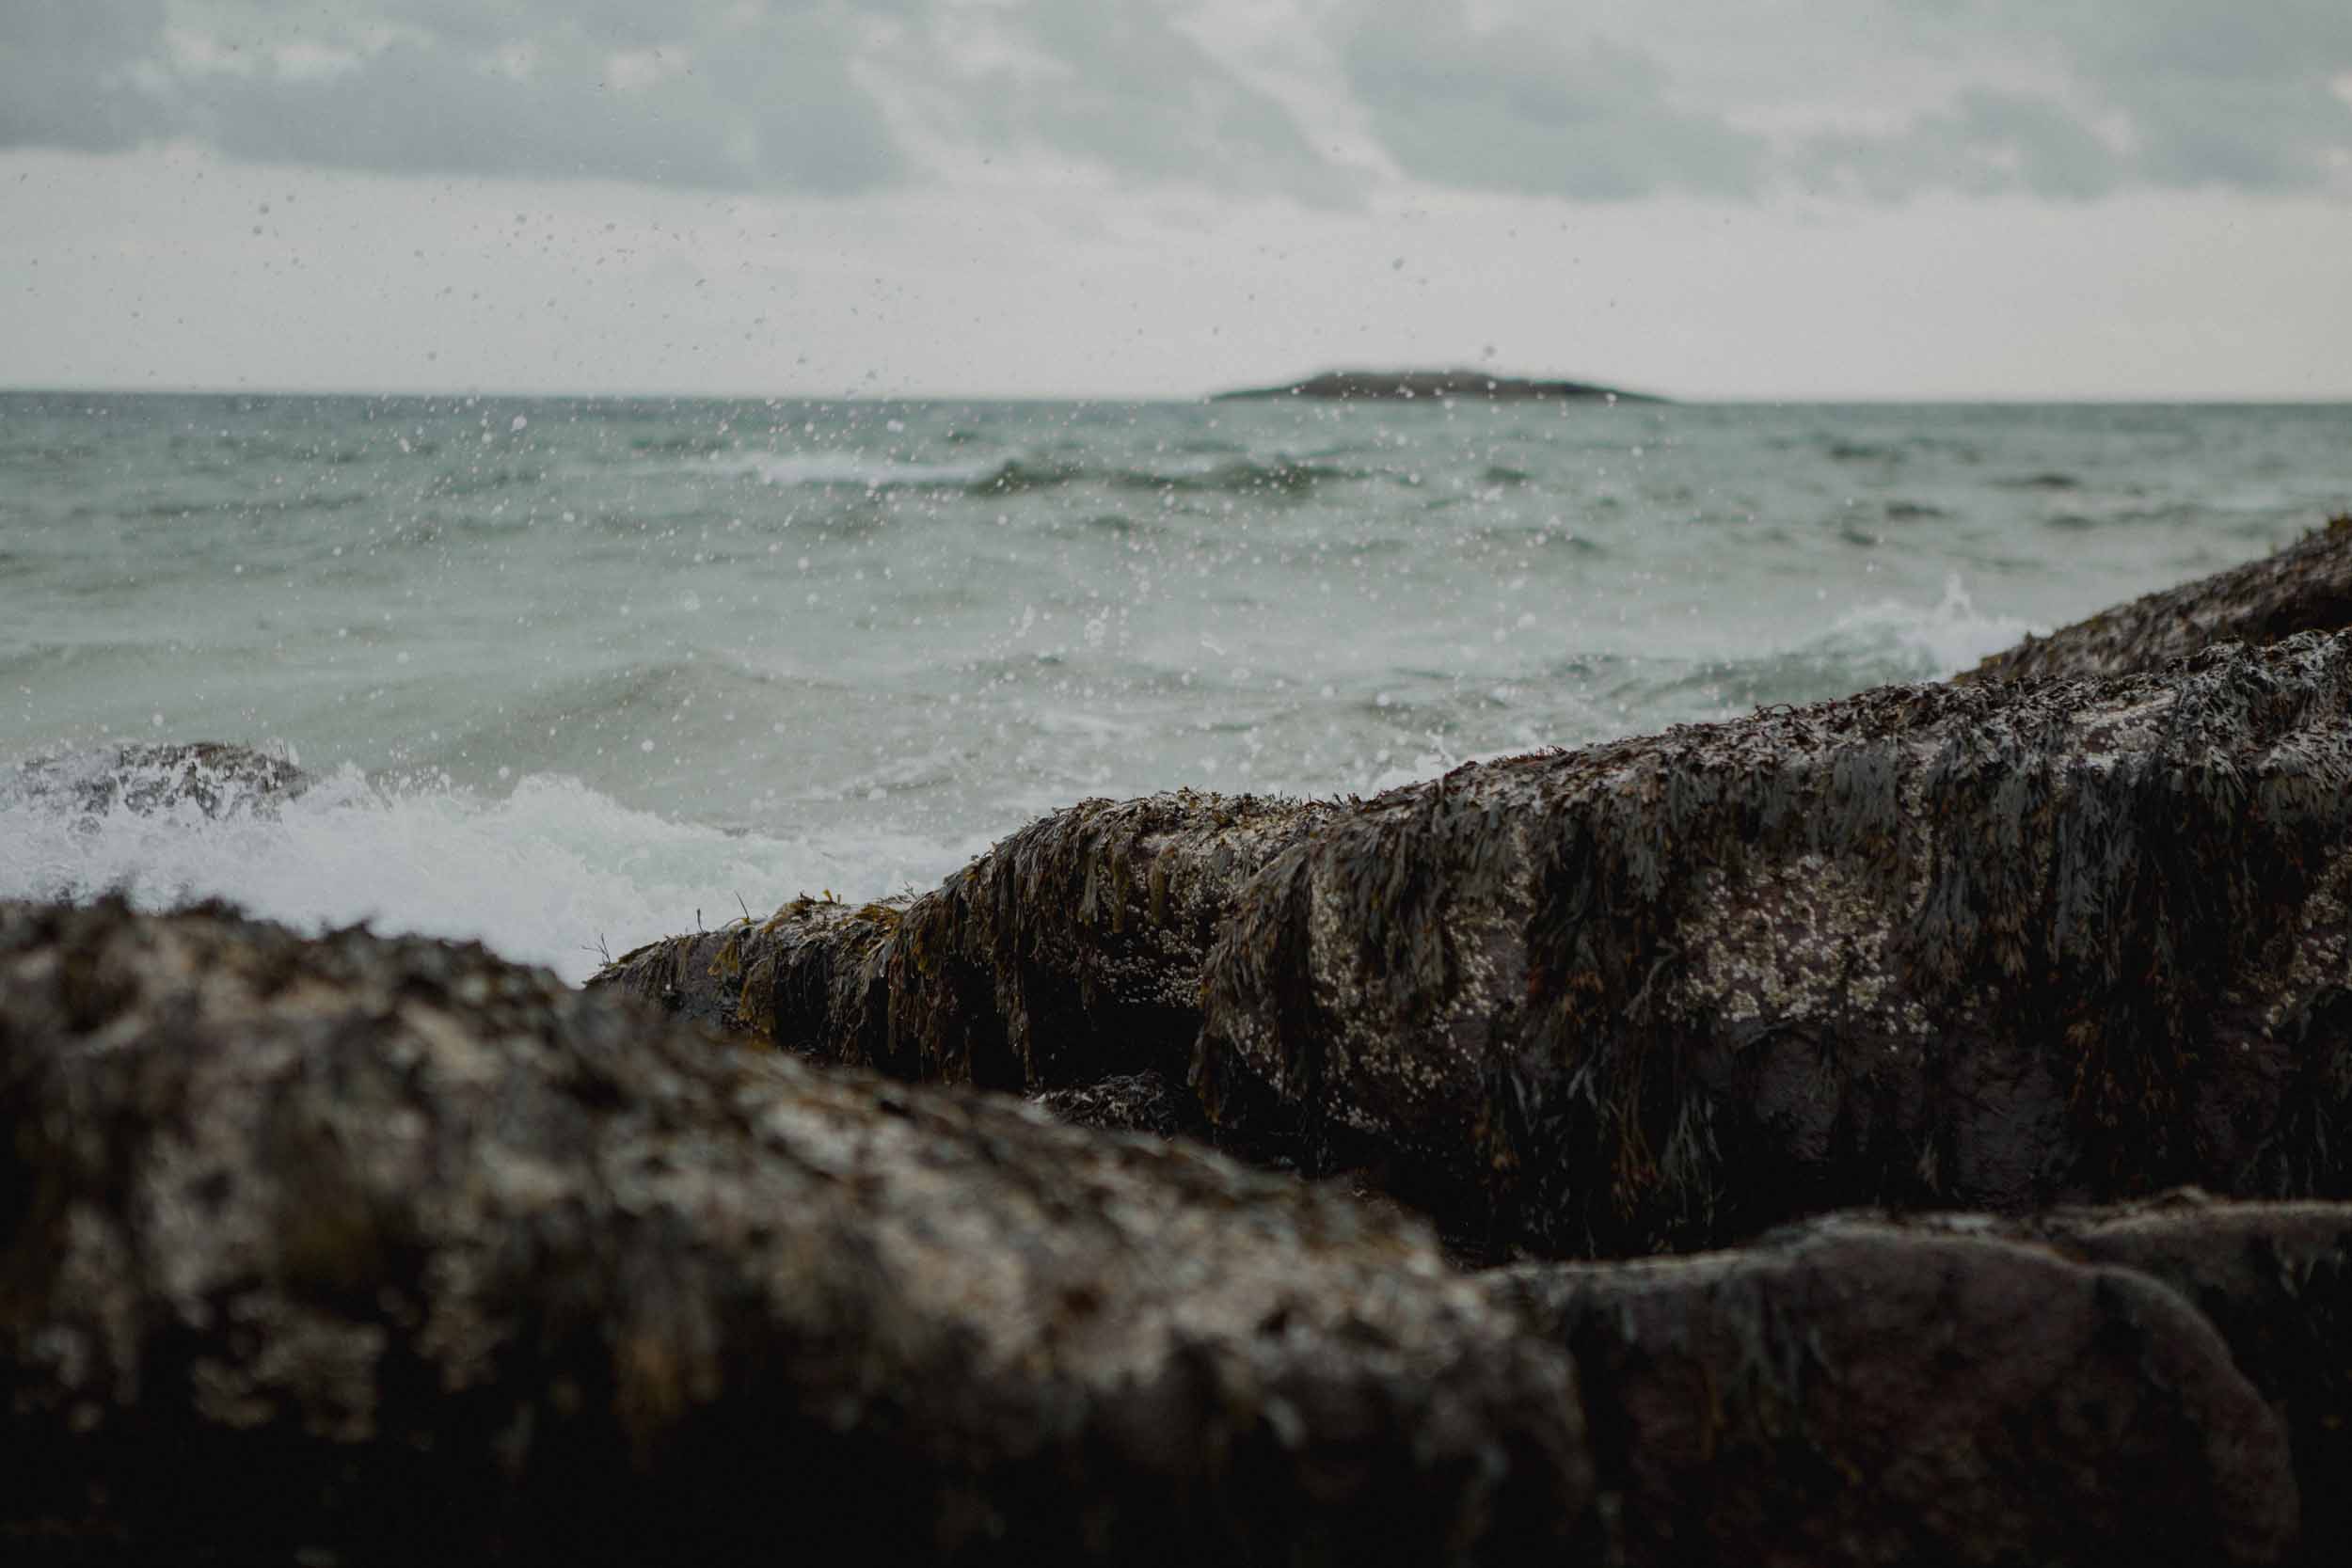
1217,473
547,872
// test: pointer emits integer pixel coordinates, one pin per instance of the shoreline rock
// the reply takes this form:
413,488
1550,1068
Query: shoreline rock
1990,946
215,777
303,1232
2305,587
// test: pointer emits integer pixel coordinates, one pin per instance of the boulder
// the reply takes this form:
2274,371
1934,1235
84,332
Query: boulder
382,1250
1069,954
1859,1393
2305,587
388,1251
2276,1281
1989,946
215,778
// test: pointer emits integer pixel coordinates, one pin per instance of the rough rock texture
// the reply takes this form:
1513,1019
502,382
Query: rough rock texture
1069,954
393,1251
2305,587
215,777
2276,1281
1857,1393
389,1251
1989,946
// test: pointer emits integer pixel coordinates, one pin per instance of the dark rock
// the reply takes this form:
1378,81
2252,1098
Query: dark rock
1477,385
1989,946
2305,587
1856,1393
2276,1281
1069,954
389,1251
217,777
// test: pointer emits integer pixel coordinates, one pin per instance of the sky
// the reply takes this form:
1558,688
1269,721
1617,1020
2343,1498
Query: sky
1725,199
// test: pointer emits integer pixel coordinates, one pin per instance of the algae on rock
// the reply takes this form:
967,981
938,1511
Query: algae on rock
1988,946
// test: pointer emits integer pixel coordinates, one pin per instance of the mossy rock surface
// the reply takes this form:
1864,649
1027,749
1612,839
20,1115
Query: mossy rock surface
1988,946
1860,1391
2304,587
391,1252
301,1231
1068,956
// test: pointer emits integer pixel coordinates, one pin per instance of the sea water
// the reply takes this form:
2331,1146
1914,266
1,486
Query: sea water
572,675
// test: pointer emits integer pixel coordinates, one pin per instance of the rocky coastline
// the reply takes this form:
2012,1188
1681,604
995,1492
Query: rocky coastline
1909,1129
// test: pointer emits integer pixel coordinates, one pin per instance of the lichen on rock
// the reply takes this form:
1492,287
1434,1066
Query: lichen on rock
1987,947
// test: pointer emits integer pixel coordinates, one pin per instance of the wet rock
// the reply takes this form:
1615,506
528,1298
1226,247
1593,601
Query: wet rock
2305,587
1857,1393
1986,946
1069,954
390,1251
2276,1281
215,777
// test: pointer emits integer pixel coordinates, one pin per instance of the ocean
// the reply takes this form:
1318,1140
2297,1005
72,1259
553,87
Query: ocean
571,674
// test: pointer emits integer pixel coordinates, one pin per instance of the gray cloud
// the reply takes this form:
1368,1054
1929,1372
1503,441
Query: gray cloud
1130,90
2065,100
2184,92
746,96
65,73
1520,110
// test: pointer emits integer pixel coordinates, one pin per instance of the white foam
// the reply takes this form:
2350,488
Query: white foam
847,468
547,874
1940,641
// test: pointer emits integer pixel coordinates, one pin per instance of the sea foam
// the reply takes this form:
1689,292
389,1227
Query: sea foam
551,872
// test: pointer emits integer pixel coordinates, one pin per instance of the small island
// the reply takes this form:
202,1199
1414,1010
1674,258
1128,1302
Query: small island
1352,384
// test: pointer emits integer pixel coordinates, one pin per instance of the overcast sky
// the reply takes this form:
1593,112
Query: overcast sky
1707,197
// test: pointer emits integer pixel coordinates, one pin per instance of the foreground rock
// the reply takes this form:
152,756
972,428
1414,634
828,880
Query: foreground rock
389,1251
1480,385
1989,946
2305,587
394,1251
1861,1392
2276,1281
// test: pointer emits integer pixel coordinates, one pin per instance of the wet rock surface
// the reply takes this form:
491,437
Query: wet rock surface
1858,1392
215,777
383,1250
388,1250
1069,955
2305,587
1987,947
2275,1281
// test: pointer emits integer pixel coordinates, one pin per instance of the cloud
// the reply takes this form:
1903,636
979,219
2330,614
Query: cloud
1613,100
2161,93
736,95
1519,109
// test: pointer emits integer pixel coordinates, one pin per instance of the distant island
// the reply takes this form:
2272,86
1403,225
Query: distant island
1437,384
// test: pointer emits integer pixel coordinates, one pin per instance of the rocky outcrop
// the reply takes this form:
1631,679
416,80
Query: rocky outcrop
386,1251
1480,385
1861,1392
1989,946
1984,946
2305,587
2276,1281
379,1250
215,778
1068,955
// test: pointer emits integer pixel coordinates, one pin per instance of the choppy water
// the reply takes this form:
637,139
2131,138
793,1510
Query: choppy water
584,672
